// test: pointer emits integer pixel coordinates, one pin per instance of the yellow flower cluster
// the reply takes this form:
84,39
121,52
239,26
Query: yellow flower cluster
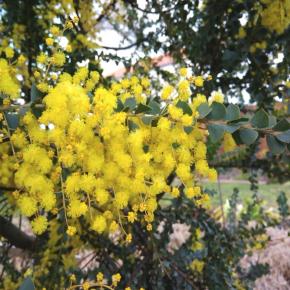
216,96
39,224
197,245
260,241
258,45
48,63
100,282
89,158
167,91
8,85
197,265
7,165
276,15
242,33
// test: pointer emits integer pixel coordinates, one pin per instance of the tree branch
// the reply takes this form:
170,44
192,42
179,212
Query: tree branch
106,10
7,188
124,47
135,5
15,236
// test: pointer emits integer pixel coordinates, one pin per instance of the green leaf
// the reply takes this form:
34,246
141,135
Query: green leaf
23,110
27,285
284,137
130,103
240,121
218,111
272,121
216,132
283,125
35,94
91,96
203,110
175,145
155,107
286,158
184,107
146,148
12,120
147,120
188,129
275,145
37,112
142,109
229,56
233,112
132,126
260,119
120,106
248,136
282,201
231,128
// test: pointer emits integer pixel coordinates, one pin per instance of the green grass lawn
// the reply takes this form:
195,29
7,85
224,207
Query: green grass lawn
268,192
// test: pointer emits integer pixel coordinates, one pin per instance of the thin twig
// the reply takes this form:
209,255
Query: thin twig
221,200
9,134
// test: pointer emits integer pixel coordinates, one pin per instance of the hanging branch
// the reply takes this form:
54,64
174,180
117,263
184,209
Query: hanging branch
15,236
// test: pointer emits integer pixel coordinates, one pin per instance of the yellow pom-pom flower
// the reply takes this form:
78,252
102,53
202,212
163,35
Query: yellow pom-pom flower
9,52
39,225
27,205
71,231
198,81
99,224
183,71
167,92
58,59
54,30
49,41
197,265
